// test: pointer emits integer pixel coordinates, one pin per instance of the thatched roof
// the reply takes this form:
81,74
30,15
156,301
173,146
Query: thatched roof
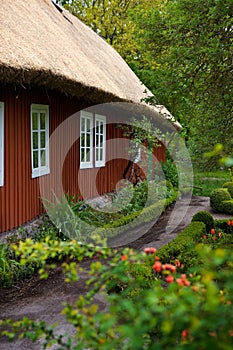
44,46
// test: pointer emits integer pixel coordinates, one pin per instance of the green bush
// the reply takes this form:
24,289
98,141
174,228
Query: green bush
224,225
206,218
227,206
217,197
183,246
178,311
170,172
229,186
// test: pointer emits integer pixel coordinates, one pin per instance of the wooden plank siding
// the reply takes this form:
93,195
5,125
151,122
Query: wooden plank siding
20,196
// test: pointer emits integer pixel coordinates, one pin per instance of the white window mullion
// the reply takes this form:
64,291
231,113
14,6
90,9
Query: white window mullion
1,143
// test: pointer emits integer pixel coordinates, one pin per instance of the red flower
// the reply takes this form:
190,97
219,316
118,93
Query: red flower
229,222
169,267
150,250
169,279
212,231
124,257
177,263
157,266
204,236
184,334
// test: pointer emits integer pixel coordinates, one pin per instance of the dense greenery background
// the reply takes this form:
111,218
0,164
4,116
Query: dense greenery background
183,51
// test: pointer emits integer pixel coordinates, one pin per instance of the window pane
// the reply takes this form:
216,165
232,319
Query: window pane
42,158
82,124
35,140
97,127
88,124
88,140
42,139
97,154
101,139
82,155
101,154
97,140
42,121
101,127
34,121
88,155
82,140
35,159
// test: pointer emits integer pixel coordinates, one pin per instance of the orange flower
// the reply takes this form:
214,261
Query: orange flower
124,257
169,279
204,236
212,231
150,250
184,335
169,267
219,234
177,263
157,266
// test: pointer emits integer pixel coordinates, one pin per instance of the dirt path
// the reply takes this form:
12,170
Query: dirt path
42,299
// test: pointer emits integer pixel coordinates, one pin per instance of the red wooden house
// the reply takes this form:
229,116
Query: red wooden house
52,66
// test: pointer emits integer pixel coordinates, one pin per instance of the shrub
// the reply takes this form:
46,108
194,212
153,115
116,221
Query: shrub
170,172
229,186
227,206
179,311
225,224
183,246
217,197
206,218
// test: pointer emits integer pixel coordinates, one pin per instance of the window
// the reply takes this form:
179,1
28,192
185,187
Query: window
40,139
100,138
1,143
86,134
87,120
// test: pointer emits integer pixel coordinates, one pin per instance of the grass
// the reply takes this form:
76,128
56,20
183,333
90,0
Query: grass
209,181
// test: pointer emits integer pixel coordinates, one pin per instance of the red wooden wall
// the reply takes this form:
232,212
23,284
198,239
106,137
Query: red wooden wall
20,195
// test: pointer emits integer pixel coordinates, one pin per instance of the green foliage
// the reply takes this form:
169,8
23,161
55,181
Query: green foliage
217,197
187,46
190,311
229,186
10,268
225,225
135,219
183,246
227,206
206,218
170,171
208,181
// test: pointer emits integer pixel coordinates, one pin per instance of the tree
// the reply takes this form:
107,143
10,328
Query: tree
186,59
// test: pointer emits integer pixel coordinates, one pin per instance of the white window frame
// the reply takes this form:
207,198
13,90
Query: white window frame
100,146
41,169
1,144
86,116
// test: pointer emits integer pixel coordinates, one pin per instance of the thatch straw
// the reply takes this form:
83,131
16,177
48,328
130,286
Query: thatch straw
40,45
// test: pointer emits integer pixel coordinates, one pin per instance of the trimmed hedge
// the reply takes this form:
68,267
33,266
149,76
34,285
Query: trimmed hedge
217,197
227,206
137,218
229,186
183,244
206,218
223,225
